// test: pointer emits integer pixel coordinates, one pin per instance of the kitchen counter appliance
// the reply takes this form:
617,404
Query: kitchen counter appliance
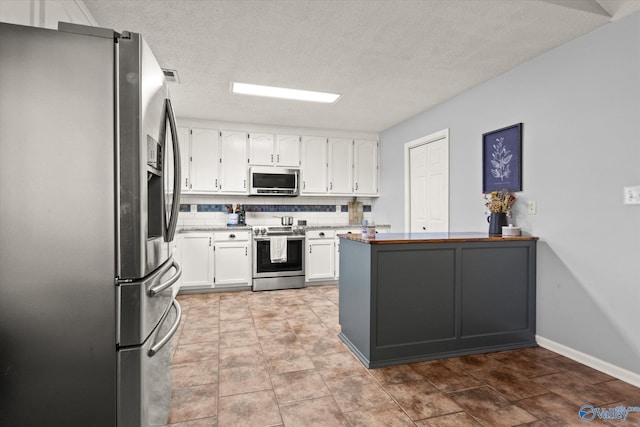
89,197
270,274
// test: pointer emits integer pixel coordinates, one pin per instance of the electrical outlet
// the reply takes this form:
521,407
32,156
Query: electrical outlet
632,195
531,207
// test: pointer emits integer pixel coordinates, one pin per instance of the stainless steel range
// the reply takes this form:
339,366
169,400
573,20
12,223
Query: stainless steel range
278,257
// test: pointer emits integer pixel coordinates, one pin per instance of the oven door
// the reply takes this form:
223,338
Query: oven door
262,265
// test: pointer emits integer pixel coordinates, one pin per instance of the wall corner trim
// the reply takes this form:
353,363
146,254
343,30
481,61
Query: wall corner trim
593,362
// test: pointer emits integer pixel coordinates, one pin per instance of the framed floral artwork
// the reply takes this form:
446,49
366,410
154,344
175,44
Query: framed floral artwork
502,159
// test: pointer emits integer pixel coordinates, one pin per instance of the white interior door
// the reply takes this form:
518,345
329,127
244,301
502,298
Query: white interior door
427,183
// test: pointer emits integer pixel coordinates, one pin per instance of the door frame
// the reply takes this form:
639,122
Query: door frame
436,136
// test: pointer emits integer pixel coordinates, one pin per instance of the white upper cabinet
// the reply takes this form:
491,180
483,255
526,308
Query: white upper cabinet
365,167
261,147
287,150
314,165
184,142
217,162
204,160
340,166
269,150
233,162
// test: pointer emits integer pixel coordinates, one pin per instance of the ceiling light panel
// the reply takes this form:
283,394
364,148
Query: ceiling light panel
283,93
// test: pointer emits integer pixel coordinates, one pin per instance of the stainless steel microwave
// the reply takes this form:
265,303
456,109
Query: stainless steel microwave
273,181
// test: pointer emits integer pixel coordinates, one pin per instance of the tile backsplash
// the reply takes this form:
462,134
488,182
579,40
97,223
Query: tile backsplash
206,211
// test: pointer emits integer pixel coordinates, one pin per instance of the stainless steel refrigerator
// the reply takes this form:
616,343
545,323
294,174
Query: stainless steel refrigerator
89,196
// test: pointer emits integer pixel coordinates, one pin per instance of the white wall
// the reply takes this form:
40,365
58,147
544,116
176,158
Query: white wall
580,105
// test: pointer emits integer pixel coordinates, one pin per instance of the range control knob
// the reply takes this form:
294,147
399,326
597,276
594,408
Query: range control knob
263,230
256,231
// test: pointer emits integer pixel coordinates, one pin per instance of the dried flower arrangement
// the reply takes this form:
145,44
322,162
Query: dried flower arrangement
500,201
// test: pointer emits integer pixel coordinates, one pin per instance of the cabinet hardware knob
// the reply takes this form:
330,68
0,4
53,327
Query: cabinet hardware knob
232,236
321,234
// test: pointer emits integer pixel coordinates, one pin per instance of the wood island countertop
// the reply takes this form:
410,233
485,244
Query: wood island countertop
401,238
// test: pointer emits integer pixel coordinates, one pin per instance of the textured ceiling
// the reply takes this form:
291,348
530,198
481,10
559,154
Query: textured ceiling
390,59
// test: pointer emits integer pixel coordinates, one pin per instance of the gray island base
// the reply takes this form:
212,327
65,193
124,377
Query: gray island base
411,297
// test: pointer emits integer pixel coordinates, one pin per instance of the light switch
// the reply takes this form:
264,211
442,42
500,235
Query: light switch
531,207
632,195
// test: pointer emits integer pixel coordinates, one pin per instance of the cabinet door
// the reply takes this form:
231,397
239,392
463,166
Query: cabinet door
261,149
314,165
184,141
365,167
340,165
233,162
287,150
196,259
204,160
320,259
232,264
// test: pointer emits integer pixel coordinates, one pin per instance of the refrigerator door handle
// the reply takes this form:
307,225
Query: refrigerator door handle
177,176
156,289
159,344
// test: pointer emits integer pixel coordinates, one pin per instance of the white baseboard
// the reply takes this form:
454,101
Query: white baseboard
593,362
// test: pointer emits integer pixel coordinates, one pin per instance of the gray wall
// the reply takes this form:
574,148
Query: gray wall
580,105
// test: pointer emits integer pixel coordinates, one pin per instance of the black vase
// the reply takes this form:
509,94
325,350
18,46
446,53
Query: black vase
496,221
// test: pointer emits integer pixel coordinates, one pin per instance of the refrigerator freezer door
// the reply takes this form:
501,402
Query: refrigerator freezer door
144,376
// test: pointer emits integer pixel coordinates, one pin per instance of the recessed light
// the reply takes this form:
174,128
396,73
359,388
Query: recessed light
282,92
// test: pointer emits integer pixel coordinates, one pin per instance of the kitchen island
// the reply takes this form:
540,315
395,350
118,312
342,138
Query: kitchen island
408,297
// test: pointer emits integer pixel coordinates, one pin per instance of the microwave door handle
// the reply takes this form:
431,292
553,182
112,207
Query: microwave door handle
155,290
158,345
177,175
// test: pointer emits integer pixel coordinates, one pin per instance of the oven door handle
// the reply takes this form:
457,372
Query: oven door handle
159,344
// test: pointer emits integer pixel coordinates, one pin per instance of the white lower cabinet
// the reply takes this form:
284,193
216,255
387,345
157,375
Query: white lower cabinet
232,259
196,259
337,246
216,260
320,256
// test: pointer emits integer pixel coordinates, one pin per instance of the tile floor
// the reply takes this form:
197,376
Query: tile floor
274,359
